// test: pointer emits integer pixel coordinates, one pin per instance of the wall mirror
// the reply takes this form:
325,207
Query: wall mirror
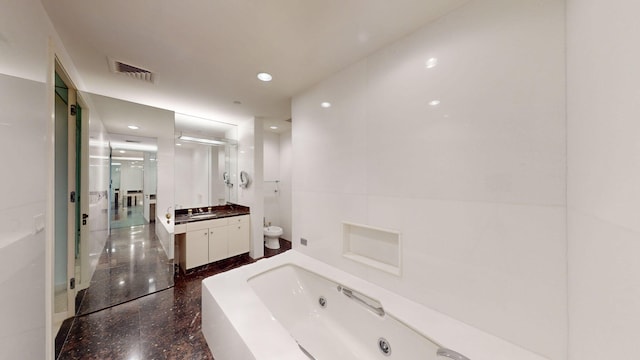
205,162
126,259
134,176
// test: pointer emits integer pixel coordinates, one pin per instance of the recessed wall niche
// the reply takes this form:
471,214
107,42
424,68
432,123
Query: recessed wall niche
374,247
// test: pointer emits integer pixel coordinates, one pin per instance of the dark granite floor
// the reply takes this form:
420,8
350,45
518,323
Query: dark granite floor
162,325
132,264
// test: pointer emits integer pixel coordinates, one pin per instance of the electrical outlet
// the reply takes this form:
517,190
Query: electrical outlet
303,241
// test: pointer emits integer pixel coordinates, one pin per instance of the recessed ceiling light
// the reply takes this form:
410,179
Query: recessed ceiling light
434,102
122,151
133,127
431,63
273,127
178,144
263,76
325,104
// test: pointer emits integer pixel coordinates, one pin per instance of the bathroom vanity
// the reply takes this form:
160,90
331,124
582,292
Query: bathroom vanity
206,235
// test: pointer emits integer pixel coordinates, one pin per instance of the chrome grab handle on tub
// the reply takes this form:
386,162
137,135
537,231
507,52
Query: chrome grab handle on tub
376,308
451,354
304,351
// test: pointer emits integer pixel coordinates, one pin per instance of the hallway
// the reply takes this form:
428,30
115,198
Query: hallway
162,325
125,216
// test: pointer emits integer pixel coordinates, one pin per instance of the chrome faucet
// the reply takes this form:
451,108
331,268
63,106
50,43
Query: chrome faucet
448,353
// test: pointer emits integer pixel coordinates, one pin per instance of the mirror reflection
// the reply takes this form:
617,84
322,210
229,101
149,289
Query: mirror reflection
133,181
130,259
205,162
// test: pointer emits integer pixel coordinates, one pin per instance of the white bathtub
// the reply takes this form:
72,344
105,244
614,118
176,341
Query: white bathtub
271,310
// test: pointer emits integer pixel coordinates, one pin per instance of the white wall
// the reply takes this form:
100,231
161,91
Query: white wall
271,174
131,178
476,184
150,182
22,246
603,179
250,159
285,184
277,166
27,44
99,175
165,200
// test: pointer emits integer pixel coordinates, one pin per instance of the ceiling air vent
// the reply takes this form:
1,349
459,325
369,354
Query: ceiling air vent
135,72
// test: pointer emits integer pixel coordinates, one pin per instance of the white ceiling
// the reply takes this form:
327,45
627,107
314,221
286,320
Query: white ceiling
206,54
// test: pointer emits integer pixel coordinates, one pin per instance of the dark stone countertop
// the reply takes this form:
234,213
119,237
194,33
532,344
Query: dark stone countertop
217,212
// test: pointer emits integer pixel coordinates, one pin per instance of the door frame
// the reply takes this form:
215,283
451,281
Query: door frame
71,187
53,320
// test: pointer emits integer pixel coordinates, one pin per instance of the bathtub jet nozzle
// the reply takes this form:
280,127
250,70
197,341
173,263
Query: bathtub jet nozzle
322,301
384,346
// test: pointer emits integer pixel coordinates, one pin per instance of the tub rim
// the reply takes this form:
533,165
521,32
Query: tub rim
431,324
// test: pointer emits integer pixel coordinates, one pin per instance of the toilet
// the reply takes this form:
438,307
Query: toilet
271,236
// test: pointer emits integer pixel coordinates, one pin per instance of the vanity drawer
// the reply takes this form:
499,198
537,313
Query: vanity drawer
236,220
199,225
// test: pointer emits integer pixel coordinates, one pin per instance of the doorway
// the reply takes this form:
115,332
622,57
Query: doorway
133,180
127,183
71,193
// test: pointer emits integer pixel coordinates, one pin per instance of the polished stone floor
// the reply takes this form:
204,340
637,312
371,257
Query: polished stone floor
132,264
163,325
127,216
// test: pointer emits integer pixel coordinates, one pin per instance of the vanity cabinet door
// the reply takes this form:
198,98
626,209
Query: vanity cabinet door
197,248
218,238
239,235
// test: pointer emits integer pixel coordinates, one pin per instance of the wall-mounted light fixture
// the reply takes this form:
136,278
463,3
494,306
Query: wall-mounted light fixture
201,140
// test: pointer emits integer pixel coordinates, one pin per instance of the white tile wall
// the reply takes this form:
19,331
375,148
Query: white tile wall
23,130
251,160
165,200
603,178
27,39
271,173
99,176
475,184
285,184
277,166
